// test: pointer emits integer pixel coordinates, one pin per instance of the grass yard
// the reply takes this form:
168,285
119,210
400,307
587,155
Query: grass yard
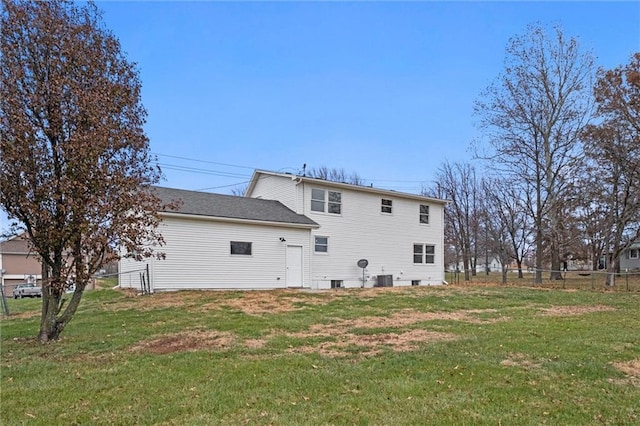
458,355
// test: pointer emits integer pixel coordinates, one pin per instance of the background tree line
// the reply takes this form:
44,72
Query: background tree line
556,174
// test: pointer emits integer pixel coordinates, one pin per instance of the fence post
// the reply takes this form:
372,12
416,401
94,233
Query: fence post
626,275
148,280
5,307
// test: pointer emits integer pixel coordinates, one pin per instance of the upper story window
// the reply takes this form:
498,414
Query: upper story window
326,201
633,253
424,213
386,206
241,248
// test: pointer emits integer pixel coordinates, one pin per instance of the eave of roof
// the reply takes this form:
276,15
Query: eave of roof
342,185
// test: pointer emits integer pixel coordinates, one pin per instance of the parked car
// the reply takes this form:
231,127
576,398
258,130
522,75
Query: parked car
27,290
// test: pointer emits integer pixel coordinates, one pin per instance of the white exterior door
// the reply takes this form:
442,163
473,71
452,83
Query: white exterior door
294,266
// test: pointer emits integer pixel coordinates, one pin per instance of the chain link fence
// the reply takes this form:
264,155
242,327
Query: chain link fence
577,280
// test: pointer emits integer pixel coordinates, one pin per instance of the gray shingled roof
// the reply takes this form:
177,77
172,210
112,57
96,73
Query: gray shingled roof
230,206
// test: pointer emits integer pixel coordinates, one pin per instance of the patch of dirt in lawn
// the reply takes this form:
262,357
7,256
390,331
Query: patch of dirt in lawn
255,343
187,341
519,360
400,342
271,301
403,318
24,315
564,311
372,344
631,369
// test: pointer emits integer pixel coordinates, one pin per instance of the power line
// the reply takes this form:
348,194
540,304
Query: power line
203,161
180,168
260,168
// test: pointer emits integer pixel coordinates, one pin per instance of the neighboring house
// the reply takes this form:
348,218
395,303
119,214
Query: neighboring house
18,264
630,258
295,231
481,266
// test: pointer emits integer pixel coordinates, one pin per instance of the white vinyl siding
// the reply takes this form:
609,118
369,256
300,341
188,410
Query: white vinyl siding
198,256
279,188
362,232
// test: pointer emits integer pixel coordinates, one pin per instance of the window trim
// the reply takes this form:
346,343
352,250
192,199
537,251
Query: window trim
231,245
315,244
631,254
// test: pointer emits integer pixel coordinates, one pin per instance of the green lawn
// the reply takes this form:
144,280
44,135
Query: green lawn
459,355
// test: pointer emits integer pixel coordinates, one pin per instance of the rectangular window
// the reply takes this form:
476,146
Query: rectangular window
415,282
634,253
429,254
386,206
424,213
335,202
321,244
417,253
424,253
241,248
317,200
336,283
326,201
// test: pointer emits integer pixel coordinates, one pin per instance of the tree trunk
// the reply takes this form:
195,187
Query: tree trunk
555,274
51,325
465,265
612,271
539,236
519,263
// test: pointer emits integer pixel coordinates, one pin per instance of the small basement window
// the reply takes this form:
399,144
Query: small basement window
336,283
415,282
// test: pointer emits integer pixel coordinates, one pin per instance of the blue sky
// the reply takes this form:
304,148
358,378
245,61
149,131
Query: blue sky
384,89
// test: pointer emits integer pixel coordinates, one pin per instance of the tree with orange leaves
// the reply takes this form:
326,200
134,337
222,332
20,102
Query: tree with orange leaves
75,167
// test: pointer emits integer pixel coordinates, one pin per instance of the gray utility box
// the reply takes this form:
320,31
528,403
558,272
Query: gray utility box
384,281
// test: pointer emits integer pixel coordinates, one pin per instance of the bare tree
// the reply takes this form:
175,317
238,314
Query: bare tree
75,170
614,147
458,183
507,212
532,116
496,228
335,175
240,190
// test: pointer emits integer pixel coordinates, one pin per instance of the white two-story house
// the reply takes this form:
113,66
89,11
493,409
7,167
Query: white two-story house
401,236
293,231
